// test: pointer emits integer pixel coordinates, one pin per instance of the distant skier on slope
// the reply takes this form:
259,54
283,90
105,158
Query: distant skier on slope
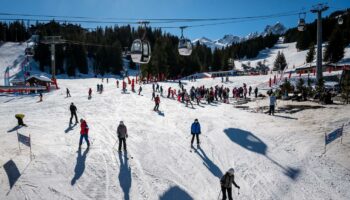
195,131
84,131
73,112
226,184
157,102
256,92
40,97
122,135
140,90
90,92
19,118
273,103
68,93
117,84
250,90
124,86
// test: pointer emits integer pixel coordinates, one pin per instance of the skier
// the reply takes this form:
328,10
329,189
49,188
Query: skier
157,102
161,91
19,118
101,88
169,89
124,86
107,80
73,112
98,87
256,92
117,84
195,131
157,88
133,85
153,95
226,184
68,93
41,97
273,103
140,90
153,87
90,92
250,90
122,135
84,131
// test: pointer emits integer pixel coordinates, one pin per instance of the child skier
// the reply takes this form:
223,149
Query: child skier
84,131
195,131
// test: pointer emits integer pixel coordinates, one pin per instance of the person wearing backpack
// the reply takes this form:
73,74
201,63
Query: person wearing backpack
226,182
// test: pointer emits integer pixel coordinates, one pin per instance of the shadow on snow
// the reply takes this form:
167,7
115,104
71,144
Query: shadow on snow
80,166
252,143
212,167
175,193
125,175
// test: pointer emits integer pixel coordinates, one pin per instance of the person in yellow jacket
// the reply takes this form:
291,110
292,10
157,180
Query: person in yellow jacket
19,118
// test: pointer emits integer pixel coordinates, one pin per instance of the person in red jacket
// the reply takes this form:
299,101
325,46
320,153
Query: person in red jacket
84,131
157,102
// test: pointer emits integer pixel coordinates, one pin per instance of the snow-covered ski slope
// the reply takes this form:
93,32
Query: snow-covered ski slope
277,157
11,55
294,58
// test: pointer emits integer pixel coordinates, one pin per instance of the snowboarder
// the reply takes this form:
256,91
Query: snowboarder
273,103
157,102
68,93
122,135
226,182
19,118
195,131
140,90
90,92
73,112
256,92
250,90
84,131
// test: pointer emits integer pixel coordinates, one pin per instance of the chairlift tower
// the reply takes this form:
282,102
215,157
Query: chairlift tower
319,8
52,41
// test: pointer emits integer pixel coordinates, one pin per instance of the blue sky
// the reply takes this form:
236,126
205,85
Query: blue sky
177,9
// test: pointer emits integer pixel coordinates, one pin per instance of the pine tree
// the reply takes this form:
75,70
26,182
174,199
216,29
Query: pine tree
310,56
335,48
280,62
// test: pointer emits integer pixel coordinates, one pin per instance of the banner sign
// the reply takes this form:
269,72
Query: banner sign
334,135
23,139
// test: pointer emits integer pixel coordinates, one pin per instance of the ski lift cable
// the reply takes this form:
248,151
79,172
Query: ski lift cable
135,20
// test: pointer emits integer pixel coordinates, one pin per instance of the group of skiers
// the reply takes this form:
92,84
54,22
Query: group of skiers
209,94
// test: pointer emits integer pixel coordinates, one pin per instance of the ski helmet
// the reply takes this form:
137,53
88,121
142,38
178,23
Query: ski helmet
231,171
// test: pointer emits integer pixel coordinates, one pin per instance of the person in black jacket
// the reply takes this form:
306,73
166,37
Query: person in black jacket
226,184
73,112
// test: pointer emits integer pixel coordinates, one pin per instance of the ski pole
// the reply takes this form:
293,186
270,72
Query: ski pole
219,195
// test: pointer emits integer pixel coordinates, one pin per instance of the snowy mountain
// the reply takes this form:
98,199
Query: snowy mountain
230,39
277,29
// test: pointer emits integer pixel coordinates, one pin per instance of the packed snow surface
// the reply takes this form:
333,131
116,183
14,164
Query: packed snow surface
274,157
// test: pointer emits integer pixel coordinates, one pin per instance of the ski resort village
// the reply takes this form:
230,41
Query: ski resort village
174,100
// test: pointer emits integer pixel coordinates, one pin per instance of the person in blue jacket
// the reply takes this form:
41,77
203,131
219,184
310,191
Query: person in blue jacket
195,131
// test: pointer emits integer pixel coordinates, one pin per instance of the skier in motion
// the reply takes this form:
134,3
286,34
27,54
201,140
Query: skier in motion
68,93
226,184
122,135
84,131
195,131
